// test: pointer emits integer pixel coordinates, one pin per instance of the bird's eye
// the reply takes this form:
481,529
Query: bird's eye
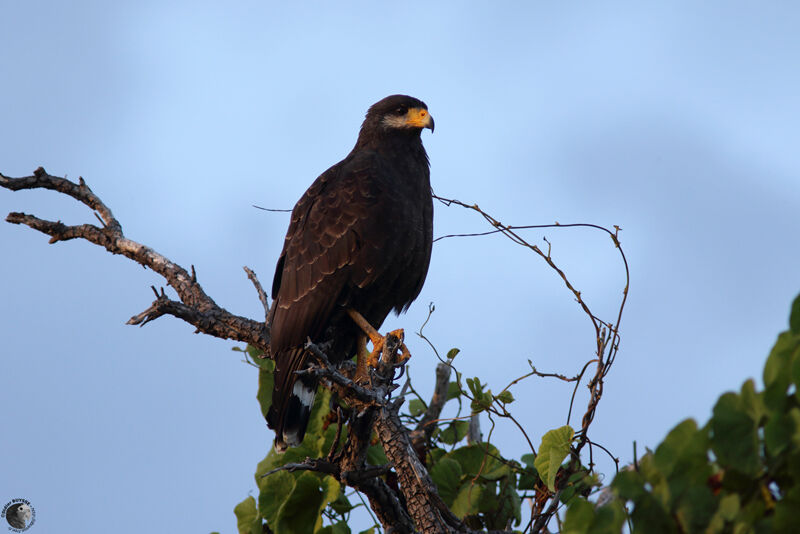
401,110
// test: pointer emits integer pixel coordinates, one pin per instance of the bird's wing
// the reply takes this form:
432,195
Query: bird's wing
332,247
337,240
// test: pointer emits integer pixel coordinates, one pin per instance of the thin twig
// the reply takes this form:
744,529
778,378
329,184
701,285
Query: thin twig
262,296
271,209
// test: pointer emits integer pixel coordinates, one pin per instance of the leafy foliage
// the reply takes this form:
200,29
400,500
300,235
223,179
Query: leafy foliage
474,480
477,484
740,473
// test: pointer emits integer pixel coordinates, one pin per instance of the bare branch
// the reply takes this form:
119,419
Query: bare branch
407,501
384,502
606,334
474,434
427,424
80,192
195,306
426,507
309,464
262,296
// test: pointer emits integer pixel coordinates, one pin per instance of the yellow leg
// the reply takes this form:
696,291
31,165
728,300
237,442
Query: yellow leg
377,344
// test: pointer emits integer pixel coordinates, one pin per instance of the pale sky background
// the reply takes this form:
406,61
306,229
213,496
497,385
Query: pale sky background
676,121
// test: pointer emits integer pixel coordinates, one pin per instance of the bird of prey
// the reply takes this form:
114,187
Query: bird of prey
360,241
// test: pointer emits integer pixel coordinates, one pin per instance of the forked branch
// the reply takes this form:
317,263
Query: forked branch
195,306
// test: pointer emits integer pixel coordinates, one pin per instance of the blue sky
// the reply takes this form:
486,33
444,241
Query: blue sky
676,121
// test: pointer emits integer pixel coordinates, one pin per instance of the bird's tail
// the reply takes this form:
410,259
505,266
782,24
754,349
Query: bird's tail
292,400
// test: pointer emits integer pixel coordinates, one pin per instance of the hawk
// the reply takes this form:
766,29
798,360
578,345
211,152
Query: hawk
360,241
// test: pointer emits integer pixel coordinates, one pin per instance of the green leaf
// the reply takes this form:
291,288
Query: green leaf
298,510
609,519
727,511
794,316
468,499
474,385
274,495
782,368
247,519
452,353
480,459
453,390
302,494
579,517
695,509
782,431
255,354
578,483
370,530
477,406
446,474
434,455
315,435
629,484
342,504
510,504
266,381
649,516
796,372
729,507
753,402
669,453
777,368
583,518
682,458
528,479
246,510
734,436
454,432
470,458
552,451
376,455
787,511
416,407
505,396
482,400
337,528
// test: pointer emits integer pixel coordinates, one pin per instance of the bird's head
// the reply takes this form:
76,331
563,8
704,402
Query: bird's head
24,512
399,113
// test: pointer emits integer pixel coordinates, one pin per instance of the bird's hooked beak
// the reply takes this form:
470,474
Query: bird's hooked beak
419,118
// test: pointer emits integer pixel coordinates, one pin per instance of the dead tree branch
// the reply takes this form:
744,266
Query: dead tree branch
407,500
371,408
427,424
606,334
262,295
195,306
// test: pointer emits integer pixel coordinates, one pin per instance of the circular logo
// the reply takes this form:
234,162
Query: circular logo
19,514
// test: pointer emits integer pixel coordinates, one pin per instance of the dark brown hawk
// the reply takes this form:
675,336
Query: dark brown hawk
359,239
